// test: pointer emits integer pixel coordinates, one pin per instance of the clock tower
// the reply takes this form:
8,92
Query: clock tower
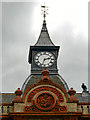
42,55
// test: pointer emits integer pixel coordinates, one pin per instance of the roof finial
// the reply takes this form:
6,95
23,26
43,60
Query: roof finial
44,10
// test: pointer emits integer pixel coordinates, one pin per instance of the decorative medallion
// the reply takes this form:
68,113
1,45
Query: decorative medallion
45,101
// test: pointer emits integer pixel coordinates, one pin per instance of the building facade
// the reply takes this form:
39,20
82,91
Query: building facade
45,94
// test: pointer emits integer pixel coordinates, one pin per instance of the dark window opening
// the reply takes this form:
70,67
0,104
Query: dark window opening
7,109
82,108
2,109
88,109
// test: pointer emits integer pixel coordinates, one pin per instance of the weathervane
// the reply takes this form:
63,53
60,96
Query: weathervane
44,10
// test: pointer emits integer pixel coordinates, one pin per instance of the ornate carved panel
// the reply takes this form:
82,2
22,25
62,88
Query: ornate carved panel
46,99
45,88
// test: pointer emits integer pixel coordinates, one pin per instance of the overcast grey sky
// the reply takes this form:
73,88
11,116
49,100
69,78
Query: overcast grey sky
67,25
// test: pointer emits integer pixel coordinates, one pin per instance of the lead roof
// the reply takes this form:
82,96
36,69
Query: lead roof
44,38
7,97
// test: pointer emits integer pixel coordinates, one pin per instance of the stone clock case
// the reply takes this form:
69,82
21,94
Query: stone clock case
35,69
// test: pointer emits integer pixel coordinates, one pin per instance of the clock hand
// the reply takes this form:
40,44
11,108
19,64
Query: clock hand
45,59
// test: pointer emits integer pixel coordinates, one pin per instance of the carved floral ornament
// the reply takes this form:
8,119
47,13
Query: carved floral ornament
45,101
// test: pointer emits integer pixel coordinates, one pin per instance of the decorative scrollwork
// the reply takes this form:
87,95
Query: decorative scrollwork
27,108
62,108
45,88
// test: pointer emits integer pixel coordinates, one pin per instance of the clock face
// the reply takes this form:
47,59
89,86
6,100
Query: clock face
44,59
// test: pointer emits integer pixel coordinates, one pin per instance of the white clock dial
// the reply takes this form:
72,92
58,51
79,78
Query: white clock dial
44,59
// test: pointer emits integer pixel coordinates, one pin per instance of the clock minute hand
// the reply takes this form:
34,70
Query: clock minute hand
45,59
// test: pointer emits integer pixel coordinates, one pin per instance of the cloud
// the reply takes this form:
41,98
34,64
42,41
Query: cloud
18,36
73,56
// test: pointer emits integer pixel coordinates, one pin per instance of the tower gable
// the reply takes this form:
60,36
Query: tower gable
45,96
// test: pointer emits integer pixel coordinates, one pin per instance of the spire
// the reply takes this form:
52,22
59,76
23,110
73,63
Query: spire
44,28
44,38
